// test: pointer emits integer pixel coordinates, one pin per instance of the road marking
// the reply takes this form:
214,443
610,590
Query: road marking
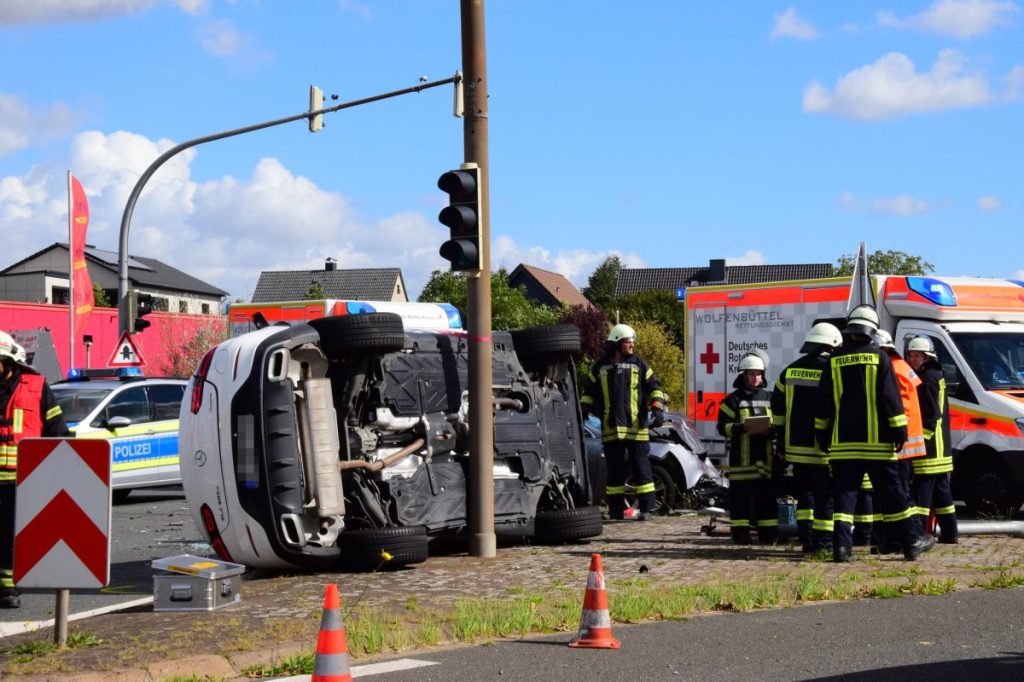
369,669
33,625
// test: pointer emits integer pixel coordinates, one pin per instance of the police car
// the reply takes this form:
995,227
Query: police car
138,415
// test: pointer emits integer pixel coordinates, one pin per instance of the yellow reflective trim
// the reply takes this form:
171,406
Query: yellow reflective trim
842,518
615,490
942,511
147,428
53,412
645,488
768,523
19,419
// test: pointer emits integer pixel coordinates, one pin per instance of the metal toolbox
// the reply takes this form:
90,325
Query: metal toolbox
192,583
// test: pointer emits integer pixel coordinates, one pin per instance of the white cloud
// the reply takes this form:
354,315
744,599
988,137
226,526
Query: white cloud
958,18
58,11
900,205
224,231
20,125
359,9
1018,275
223,40
576,265
789,25
1015,83
892,87
989,204
751,257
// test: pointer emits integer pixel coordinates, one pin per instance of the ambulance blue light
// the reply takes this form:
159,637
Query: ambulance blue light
936,291
1017,282
354,307
454,316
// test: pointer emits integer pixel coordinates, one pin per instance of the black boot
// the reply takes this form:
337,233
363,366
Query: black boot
918,547
10,598
841,555
740,536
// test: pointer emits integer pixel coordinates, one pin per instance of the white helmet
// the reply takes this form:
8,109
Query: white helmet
883,339
751,361
8,347
620,332
922,344
822,334
862,320
19,354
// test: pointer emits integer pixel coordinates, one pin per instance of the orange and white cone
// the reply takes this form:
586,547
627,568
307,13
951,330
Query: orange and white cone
331,662
595,630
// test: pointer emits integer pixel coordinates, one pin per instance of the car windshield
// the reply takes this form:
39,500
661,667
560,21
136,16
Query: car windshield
76,402
997,358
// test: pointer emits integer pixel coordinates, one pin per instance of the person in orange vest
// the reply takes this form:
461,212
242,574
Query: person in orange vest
931,486
28,409
908,381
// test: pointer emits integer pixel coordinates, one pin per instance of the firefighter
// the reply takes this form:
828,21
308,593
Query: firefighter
861,423
622,390
752,501
793,405
908,381
930,486
28,409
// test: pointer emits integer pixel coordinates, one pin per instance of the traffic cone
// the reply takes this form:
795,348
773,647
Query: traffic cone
595,630
331,662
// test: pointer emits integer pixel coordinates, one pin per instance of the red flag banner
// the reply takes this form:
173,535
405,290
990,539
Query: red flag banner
84,300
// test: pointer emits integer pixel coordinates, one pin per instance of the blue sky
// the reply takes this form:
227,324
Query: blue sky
668,133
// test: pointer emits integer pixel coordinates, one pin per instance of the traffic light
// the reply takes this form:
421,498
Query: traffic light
143,304
316,104
462,216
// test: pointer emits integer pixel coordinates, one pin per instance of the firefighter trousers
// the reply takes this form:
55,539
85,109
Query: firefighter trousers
752,504
889,496
7,534
615,453
932,491
812,485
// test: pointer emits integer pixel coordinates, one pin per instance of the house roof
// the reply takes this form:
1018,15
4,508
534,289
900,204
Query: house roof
147,272
633,280
368,284
555,285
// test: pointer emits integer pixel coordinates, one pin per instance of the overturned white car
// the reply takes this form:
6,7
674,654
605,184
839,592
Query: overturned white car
325,443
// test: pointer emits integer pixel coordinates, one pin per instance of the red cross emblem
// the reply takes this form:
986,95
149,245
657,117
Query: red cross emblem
709,358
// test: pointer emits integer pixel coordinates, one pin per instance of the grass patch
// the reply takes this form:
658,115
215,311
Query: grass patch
194,678
1003,580
27,651
299,664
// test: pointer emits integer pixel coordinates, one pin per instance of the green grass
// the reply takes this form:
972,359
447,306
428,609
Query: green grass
28,651
299,664
193,678
1001,581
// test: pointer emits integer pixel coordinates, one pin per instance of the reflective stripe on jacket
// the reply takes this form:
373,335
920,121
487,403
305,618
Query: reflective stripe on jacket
935,419
750,455
23,418
908,381
620,394
794,402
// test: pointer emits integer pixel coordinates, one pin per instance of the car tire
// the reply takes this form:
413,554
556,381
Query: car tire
566,525
991,491
664,489
360,333
539,342
361,549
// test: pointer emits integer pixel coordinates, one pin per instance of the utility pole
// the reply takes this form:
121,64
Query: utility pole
481,411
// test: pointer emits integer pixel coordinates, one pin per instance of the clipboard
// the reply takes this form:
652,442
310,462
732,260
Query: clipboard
758,426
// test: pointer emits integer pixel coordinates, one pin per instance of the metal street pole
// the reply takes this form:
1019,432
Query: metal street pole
126,218
481,414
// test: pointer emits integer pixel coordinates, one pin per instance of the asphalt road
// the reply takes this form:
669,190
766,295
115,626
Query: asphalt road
153,523
972,635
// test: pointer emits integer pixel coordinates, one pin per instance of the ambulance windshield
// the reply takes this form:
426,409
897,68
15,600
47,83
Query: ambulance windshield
997,358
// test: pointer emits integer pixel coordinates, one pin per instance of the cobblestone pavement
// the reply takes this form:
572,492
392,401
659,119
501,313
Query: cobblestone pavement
279,615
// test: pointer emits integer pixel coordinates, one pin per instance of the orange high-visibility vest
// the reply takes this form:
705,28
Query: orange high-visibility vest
908,382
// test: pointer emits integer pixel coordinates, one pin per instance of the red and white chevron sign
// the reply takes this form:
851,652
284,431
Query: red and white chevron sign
62,514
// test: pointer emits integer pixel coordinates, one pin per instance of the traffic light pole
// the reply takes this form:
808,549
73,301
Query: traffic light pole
481,410
126,324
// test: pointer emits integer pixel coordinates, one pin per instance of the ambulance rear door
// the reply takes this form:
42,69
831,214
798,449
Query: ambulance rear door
707,371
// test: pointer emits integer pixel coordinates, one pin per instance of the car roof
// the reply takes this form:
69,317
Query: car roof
116,383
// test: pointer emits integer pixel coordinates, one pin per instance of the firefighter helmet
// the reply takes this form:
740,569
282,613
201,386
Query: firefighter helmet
922,344
751,361
862,320
8,347
19,354
883,339
621,332
822,334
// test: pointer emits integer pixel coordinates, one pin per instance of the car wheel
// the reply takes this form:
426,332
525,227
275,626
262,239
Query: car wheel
565,525
991,491
360,333
361,550
538,342
120,495
664,489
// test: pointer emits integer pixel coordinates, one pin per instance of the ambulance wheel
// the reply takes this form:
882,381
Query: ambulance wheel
539,342
566,525
664,489
991,491
360,333
361,550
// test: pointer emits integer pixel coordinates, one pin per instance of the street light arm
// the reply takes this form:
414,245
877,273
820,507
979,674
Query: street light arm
129,208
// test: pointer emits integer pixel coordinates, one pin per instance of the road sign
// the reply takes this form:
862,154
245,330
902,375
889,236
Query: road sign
125,353
62,514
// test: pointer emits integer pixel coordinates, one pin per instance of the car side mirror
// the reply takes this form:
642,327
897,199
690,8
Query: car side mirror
118,423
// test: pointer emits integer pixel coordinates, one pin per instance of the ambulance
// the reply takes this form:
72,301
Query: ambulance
976,325
246,317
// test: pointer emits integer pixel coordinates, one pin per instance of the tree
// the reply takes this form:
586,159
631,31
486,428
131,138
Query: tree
593,325
886,263
99,296
600,289
656,305
315,291
510,307
654,344
185,343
